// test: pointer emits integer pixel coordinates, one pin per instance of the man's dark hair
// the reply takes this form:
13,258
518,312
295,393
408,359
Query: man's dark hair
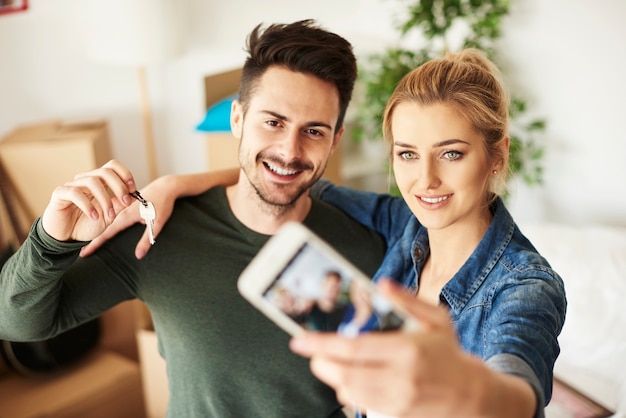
301,47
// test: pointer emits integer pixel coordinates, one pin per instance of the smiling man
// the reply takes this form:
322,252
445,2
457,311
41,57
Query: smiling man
224,358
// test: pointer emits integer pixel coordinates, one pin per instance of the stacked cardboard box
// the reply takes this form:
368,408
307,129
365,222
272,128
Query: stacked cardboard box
39,157
34,160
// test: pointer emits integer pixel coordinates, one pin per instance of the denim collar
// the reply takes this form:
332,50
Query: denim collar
466,282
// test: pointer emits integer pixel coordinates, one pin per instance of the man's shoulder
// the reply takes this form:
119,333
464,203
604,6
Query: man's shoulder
215,196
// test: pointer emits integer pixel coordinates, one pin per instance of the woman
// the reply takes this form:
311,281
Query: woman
455,246
489,305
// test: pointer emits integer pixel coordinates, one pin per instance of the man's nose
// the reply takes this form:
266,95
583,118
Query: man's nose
290,145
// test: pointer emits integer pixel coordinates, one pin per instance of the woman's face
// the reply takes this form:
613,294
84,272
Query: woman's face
440,164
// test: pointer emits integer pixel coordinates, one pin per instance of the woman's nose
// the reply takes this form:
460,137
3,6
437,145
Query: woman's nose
428,178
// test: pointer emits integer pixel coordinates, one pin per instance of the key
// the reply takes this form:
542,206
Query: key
147,213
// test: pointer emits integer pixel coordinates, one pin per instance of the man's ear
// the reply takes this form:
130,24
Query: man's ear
337,139
236,119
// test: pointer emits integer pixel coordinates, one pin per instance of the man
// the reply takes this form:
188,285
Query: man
330,291
224,358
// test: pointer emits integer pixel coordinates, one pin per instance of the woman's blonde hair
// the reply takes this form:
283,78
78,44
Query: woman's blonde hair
469,82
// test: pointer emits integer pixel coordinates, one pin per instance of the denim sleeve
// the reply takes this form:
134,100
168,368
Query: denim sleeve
527,315
383,213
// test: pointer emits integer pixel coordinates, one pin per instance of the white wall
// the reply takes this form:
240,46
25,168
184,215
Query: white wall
563,56
569,59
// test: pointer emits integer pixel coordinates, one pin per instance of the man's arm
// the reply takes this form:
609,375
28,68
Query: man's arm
36,300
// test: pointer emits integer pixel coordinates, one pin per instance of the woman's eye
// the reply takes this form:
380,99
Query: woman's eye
407,155
452,155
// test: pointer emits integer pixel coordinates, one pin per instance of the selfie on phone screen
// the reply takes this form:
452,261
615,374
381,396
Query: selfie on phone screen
320,295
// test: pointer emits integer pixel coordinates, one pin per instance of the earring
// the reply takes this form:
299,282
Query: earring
494,172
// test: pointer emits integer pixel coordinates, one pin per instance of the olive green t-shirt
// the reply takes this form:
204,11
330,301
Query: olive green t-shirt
224,358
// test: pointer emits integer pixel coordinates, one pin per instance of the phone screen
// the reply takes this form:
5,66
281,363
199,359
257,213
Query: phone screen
319,293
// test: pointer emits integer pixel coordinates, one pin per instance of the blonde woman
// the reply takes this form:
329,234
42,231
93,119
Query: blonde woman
490,306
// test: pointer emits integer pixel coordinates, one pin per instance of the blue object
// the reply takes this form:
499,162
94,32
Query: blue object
217,118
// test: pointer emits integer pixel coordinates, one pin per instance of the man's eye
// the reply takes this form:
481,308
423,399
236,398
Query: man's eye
314,132
452,155
272,122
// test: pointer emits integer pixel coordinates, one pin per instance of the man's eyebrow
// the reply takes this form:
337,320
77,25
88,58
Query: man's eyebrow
274,114
285,118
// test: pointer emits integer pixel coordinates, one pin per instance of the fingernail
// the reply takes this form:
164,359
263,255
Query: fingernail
111,213
299,345
94,214
140,253
127,199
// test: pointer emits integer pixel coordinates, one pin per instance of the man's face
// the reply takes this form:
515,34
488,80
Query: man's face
287,134
331,288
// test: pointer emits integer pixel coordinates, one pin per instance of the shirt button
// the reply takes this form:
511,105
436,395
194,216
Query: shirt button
418,254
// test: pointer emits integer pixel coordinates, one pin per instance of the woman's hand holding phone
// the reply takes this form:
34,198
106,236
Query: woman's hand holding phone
372,369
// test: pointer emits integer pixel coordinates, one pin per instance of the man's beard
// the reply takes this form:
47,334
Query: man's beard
282,204
277,207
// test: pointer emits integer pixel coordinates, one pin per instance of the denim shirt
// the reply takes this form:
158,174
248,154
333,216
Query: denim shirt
507,304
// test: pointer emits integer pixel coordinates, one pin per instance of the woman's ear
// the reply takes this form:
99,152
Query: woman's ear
503,161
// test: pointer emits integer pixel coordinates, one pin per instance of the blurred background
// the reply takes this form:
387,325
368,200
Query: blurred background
565,57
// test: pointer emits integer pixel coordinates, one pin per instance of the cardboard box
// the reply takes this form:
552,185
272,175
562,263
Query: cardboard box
221,146
153,374
153,366
37,158
6,231
103,384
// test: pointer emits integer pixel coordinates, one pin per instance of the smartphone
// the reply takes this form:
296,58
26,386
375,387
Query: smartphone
301,283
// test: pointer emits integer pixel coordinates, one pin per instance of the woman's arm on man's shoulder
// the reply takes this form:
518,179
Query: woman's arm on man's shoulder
162,192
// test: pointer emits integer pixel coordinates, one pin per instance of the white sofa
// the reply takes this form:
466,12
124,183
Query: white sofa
592,262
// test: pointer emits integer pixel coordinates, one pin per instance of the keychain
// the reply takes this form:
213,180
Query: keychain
147,213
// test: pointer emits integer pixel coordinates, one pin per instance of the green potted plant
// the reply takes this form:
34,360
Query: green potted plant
437,24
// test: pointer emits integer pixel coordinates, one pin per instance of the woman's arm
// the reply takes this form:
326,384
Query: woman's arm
385,214
163,193
414,373
183,185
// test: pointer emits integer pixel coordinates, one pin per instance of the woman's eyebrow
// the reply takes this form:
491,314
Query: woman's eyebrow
439,144
447,142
